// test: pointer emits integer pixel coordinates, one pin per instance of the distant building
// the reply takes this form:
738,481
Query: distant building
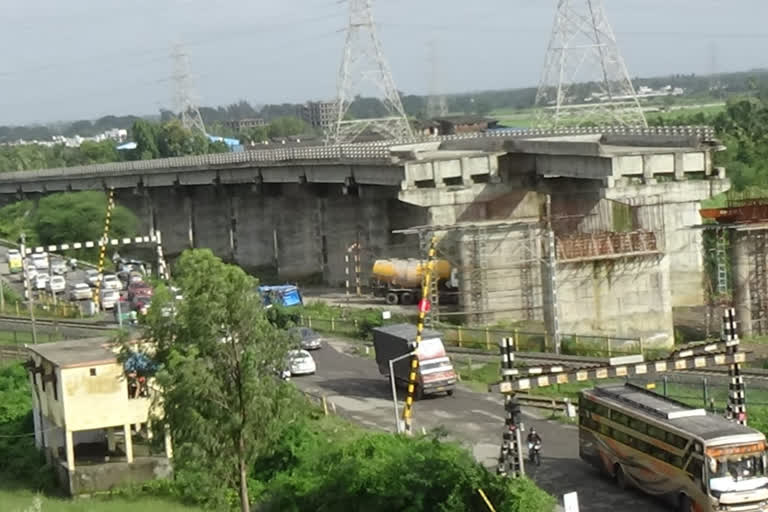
465,124
318,114
90,415
245,124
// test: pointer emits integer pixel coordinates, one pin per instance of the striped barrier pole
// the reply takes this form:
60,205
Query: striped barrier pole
103,245
424,307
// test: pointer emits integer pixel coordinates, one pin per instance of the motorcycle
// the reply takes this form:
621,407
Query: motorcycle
534,453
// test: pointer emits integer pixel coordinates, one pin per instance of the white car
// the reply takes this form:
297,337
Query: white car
109,298
111,282
41,280
92,276
300,362
57,284
40,260
58,267
80,291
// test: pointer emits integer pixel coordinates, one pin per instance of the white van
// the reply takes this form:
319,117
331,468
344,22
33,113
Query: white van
40,260
109,298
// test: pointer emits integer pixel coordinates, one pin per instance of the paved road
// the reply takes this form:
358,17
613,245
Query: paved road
360,393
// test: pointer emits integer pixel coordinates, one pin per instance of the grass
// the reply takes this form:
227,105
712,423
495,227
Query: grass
22,501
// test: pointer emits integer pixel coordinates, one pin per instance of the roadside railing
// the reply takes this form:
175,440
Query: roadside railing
488,338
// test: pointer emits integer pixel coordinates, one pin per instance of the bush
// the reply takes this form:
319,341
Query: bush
24,464
381,472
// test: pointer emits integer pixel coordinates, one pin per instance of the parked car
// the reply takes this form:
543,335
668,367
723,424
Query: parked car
41,280
308,338
92,277
80,291
109,298
58,267
300,362
40,260
111,282
57,284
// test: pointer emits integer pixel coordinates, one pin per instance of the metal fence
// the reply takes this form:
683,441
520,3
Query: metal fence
488,338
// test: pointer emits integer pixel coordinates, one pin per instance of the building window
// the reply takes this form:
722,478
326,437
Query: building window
93,372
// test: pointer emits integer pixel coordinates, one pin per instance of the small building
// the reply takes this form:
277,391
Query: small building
91,416
244,124
318,114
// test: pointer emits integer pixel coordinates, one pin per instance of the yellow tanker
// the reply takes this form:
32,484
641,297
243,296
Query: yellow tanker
399,280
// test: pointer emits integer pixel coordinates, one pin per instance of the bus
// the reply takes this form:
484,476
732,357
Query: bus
695,460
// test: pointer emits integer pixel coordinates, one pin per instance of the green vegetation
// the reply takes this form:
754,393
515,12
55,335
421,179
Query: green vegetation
65,217
23,501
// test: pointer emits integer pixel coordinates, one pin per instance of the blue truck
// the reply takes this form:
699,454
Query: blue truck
285,295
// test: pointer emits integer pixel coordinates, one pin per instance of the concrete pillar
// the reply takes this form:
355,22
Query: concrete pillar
111,445
128,443
168,443
190,215
70,448
679,167
740,271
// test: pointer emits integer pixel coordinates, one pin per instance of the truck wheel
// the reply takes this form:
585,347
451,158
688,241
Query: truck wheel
392,298
449,392
406,299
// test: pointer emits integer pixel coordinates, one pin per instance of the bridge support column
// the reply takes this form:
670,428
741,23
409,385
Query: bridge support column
742,299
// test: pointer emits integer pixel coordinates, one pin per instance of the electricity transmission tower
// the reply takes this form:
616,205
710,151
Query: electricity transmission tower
185,104
585,78
364,70
436,105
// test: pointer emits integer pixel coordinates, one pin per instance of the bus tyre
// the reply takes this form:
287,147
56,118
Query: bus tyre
406,299
392,298
686,504
620,477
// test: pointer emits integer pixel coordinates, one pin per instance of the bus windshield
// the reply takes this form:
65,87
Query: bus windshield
737,472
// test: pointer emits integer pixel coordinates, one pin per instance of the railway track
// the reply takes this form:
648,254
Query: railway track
75,324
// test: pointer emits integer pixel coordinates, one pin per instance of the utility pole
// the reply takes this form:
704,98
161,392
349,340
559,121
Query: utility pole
436,105
185,103
583,50
27,287
364,71
551,314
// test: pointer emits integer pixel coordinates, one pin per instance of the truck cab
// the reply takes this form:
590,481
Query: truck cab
436,373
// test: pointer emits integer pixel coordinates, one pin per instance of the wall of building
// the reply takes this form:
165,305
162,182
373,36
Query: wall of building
101,400
626,297
87,479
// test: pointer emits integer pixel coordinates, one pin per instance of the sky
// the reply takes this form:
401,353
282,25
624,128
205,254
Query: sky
82,59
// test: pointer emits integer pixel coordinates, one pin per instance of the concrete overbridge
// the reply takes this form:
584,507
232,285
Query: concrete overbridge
293,212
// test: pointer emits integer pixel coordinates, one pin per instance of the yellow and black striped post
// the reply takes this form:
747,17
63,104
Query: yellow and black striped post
103,245
424,307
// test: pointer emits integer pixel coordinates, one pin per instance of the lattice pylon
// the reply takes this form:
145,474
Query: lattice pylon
363,64
585,80
184,100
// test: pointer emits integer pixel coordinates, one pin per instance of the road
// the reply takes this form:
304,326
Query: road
353,384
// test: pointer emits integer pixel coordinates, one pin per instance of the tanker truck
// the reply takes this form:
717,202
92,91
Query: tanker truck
399,280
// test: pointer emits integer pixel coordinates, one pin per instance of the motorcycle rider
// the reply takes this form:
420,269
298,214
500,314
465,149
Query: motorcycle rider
533,437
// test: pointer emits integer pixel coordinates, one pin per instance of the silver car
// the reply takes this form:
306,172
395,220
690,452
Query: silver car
80,291
308,338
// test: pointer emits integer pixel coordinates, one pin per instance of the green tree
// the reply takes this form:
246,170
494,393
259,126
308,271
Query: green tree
144,134
285,126
174,140
99,152
218,354
79,216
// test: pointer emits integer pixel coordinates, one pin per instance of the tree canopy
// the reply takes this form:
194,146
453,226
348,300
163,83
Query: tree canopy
219,354
65,217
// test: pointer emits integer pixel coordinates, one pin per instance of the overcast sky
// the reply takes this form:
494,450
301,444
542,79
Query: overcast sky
75,59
